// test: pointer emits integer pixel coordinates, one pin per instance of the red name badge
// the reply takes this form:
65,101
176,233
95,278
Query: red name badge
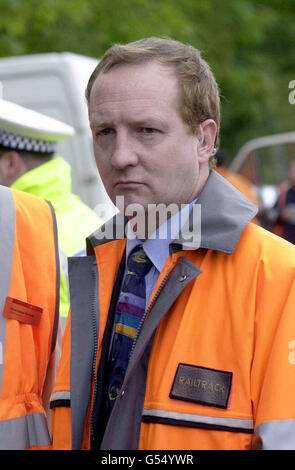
21,311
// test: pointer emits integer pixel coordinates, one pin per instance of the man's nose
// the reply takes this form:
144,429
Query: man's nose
123,152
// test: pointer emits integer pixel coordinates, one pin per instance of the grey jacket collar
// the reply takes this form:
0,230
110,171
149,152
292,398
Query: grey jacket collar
224,213
216,223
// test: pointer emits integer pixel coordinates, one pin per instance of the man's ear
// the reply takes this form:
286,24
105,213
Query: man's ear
206,136
12,167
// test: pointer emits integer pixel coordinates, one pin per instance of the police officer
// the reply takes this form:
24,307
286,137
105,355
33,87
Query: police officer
28,143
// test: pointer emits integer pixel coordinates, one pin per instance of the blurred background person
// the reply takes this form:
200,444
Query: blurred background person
284,210
28,163
238,181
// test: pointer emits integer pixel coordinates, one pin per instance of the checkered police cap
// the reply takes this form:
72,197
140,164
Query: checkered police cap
17,142
27,130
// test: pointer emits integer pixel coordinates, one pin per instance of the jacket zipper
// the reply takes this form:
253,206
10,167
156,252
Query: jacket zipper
94,327
147,312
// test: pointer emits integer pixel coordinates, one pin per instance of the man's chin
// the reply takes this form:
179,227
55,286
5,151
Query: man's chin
130,205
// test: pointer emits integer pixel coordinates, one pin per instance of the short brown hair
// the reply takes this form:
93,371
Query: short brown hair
31,159
199,90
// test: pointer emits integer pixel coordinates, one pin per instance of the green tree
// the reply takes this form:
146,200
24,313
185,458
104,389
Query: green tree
248,43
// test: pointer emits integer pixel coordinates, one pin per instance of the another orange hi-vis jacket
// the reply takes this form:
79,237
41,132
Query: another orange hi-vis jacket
29,289
214,364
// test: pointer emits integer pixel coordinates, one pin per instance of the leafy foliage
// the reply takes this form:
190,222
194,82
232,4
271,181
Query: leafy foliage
249,45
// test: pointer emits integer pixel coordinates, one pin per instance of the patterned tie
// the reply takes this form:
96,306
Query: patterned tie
128,318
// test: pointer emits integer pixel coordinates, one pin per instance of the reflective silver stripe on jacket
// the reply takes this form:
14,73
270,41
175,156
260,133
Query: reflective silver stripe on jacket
24,432
61,398
64,395
277,435
7,235
214,422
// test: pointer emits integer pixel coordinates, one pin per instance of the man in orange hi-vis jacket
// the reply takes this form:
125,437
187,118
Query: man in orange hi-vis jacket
182,332
29,322
30,333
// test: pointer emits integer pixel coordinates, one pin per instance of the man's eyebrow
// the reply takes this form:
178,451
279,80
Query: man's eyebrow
100,123
140,122
148,122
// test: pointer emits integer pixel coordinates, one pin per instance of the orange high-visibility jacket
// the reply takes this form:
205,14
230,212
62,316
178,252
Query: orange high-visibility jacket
29,287
214,364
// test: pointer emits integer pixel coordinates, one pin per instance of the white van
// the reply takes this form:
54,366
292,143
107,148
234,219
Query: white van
54,84
265,162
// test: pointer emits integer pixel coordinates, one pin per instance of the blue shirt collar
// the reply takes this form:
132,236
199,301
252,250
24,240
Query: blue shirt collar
157,245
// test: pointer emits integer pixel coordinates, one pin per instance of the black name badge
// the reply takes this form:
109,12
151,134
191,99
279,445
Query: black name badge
201,385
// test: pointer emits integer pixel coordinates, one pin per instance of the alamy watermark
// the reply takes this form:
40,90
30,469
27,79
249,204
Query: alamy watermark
180,223
292,93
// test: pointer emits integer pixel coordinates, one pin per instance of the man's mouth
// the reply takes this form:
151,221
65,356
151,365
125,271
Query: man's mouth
129,184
